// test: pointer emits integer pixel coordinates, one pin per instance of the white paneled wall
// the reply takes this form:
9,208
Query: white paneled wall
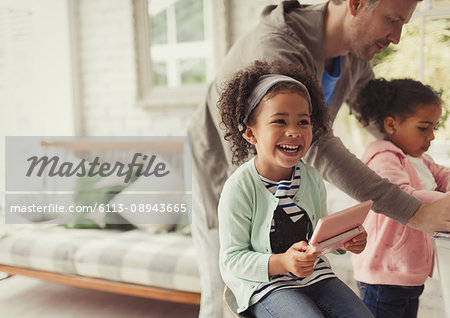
35,74
108,80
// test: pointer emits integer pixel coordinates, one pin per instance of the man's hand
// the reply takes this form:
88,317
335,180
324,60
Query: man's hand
431,217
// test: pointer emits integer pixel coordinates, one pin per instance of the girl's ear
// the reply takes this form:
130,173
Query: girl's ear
354,6
249,136
390,125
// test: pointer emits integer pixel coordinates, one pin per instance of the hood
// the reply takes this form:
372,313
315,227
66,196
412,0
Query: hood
379,146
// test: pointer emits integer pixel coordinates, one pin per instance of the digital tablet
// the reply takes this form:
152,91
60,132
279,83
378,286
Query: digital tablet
333,230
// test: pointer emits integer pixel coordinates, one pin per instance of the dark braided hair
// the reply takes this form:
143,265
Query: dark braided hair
236,91
399,98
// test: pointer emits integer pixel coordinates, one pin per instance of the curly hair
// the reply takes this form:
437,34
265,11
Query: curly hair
399,98
236,91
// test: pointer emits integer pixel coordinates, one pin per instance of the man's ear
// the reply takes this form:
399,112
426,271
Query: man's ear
390,125
354,6
249,136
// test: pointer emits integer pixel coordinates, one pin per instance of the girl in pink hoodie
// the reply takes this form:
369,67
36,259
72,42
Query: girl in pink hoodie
391,271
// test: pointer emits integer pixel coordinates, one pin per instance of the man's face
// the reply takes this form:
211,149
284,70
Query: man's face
372,29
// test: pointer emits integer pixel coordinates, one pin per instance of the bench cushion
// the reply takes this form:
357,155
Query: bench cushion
165,260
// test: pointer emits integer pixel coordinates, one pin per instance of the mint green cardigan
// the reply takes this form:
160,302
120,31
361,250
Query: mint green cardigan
245,213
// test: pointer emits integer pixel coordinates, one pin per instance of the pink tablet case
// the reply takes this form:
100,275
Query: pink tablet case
335,229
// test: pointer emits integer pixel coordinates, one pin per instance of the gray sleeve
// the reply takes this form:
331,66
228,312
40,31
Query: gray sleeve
343,169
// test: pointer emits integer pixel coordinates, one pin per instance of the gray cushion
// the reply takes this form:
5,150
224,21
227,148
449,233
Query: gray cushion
161,260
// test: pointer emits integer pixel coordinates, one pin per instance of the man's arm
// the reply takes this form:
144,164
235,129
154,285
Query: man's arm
340,167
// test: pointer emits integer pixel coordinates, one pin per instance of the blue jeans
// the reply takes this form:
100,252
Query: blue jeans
391,301
327,298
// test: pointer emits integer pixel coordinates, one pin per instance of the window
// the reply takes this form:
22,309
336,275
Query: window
177,55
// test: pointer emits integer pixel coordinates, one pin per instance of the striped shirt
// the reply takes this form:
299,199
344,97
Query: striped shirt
298,225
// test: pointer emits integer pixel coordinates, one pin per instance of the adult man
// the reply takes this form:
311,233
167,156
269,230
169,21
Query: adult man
335,41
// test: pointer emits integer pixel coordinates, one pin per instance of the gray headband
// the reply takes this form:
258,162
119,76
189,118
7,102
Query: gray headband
265,83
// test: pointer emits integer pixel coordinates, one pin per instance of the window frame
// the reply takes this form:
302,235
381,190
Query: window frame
149,95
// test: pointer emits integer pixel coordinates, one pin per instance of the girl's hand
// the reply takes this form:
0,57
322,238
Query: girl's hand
297,261
357,244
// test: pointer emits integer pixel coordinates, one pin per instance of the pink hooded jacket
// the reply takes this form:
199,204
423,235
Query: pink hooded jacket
396,254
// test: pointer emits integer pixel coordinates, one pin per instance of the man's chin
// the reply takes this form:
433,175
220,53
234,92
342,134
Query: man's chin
365,55
368,55
374,49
